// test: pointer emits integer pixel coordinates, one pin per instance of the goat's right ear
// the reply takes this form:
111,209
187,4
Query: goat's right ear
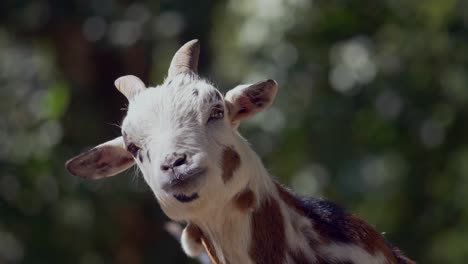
104,160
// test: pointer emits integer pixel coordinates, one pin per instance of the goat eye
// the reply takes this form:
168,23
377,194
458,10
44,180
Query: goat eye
133,149
216,113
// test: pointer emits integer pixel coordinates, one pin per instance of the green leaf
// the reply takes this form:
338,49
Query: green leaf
56,100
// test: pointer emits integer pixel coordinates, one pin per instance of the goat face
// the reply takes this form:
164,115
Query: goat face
183,137
185,143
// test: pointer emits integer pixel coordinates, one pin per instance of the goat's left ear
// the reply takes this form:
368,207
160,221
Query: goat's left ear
248,99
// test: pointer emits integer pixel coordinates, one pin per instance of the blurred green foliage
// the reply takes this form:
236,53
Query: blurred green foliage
371,113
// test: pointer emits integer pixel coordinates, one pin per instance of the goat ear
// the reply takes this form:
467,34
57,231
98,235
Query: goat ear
129,85
248,99
104,160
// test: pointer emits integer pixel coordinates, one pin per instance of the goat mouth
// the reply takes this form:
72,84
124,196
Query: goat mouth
181,182
186,199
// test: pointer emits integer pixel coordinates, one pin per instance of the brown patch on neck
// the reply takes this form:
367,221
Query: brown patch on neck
245,200
268,243
231,161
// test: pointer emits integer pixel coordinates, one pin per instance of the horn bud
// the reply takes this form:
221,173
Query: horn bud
185,59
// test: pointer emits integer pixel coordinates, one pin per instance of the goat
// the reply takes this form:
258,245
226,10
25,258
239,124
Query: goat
183,135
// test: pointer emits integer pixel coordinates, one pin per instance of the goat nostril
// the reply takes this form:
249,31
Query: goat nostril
180,160
174,160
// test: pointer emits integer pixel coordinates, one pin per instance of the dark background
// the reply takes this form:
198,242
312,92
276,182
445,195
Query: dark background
372,113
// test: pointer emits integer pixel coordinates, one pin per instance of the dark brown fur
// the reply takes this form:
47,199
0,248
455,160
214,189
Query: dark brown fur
194,232
268,245
230,162
245,200
298,257
368,238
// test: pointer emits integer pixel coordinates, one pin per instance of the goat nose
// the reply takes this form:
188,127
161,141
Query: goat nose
174,160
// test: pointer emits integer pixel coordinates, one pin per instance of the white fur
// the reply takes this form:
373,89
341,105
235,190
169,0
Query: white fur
190,245
169,118
348,252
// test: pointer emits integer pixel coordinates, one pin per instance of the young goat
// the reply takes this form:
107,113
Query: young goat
183,136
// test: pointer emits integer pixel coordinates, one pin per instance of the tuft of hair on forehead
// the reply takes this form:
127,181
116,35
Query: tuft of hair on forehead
182,98
181,79
190,85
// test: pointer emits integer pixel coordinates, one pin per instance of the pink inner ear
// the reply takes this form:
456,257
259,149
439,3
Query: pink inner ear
244,107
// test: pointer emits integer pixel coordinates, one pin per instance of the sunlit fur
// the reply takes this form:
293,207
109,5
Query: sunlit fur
353,254
170,118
